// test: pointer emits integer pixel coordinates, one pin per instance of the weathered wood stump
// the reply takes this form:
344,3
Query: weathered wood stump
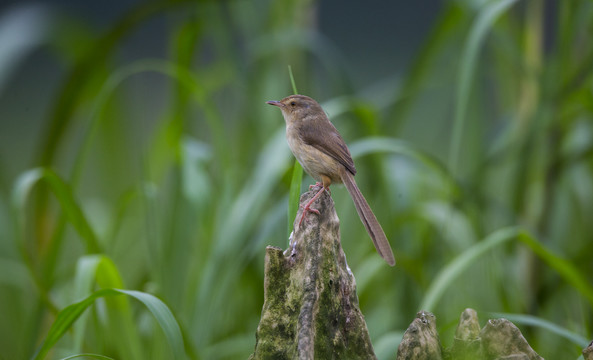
311,309
588,352
310,305
421,340
466,343
499,339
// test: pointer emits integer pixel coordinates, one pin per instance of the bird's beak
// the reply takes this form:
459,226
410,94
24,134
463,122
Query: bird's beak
275,103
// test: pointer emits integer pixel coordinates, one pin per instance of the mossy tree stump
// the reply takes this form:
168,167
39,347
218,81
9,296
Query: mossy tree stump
588,352
311,309
499,339
310,305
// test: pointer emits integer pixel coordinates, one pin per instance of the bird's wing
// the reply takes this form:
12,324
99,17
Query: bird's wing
326,138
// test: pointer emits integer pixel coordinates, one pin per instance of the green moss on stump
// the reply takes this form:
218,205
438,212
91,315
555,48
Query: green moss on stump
500,339
310,308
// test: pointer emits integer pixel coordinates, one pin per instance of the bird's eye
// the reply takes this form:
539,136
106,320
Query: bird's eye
292,103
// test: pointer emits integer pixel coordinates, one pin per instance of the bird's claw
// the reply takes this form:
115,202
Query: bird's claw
305,210
314,211
317,184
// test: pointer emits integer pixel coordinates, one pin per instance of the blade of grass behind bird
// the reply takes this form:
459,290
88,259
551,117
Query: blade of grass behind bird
71,95
456,267
564,267
94,356
447,26
99,269
294,195
71,313
467,64
234,224
383,144
63,192
183,77
296,181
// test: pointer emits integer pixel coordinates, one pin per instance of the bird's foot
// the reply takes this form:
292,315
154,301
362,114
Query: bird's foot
320,185
308,208
317,184
305,211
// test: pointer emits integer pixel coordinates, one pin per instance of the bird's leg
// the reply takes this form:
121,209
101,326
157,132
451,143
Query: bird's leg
324,187
308,205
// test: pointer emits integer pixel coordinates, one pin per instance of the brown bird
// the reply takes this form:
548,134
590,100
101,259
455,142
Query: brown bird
322,152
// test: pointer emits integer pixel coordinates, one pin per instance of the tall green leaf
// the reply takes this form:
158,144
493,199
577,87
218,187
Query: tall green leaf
101,270
297,176
71,313
63,192
467,64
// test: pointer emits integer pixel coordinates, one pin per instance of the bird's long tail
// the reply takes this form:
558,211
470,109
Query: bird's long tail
368,218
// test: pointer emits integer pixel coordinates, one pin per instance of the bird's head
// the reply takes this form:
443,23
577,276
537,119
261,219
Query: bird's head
298,108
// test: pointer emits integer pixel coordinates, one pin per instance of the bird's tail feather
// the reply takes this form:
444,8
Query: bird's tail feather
368,219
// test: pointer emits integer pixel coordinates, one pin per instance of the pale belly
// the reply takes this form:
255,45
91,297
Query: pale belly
315,162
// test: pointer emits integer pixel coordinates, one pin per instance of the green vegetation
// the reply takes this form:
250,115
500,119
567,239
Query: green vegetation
138,228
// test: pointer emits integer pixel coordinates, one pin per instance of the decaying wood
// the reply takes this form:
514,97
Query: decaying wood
466,343
499,339
310,305
421,340
311,308
588,352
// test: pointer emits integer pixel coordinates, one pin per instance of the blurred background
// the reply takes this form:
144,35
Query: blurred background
137,152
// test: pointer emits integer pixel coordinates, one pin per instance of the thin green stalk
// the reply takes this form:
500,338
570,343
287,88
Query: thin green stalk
293,83
297,177
444,30
467,65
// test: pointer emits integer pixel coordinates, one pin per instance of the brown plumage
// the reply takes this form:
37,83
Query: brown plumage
322,152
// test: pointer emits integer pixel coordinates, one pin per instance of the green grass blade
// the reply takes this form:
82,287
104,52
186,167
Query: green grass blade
456,267
164,317
292,82
371,145
86,270
294,194
530,320
196,183
63,322
297,177
63,192
467,65
231,348
222,265
80,77
270,165
71,313
446,277
565,268
184,78
100,269
95,356
444,31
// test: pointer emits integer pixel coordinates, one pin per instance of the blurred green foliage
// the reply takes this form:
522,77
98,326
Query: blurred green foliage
478,163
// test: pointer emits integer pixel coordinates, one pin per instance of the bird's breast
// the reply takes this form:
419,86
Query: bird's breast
314,161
